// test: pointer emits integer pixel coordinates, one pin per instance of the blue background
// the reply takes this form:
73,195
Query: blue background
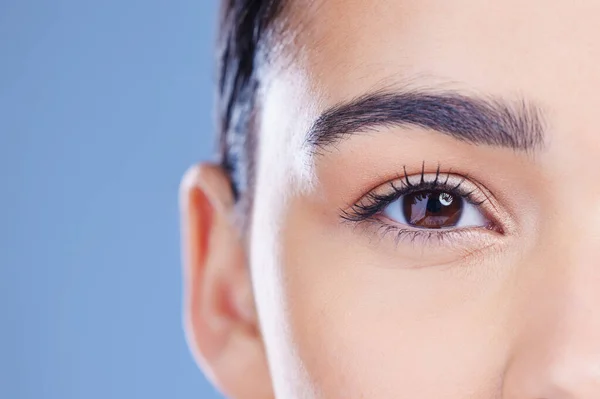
103,105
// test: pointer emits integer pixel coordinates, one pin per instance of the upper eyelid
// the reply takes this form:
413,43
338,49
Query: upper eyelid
424,184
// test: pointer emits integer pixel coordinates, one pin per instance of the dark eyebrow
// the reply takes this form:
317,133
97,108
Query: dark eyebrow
516,125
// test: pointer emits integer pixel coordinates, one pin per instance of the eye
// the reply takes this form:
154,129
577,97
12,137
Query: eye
434,209
442,203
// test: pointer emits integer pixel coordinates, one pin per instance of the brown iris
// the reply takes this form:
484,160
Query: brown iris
432,209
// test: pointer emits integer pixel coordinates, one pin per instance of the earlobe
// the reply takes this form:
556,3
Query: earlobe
219,314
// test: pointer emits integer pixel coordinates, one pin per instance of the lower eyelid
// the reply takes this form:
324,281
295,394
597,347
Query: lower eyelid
458,244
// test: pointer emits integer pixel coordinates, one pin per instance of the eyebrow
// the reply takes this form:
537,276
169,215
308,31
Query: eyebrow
517,125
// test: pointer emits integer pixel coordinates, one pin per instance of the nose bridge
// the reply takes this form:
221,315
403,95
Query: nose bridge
557,349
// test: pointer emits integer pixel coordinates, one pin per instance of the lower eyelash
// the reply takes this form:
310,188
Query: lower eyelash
414,235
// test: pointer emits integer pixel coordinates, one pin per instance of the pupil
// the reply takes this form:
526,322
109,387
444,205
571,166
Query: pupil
432,209
434,205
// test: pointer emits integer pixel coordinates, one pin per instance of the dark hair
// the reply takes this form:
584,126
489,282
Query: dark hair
245,26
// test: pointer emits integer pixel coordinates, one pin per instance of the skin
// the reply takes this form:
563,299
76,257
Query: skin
303,305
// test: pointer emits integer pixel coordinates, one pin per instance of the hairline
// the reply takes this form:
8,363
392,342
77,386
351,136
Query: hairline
241,61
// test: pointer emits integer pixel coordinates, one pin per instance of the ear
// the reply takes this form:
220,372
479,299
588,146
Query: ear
219,313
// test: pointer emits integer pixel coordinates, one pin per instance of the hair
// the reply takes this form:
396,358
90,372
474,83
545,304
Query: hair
245,26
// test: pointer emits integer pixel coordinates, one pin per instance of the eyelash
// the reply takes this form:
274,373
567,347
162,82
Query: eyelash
372,204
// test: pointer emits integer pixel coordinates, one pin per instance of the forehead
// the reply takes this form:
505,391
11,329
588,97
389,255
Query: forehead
352,45
337,50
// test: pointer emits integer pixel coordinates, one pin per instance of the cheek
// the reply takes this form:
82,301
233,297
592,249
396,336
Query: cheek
362,326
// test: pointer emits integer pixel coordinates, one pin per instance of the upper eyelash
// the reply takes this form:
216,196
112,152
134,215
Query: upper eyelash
373,203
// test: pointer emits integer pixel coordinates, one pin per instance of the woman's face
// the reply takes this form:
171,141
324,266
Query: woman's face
426,221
